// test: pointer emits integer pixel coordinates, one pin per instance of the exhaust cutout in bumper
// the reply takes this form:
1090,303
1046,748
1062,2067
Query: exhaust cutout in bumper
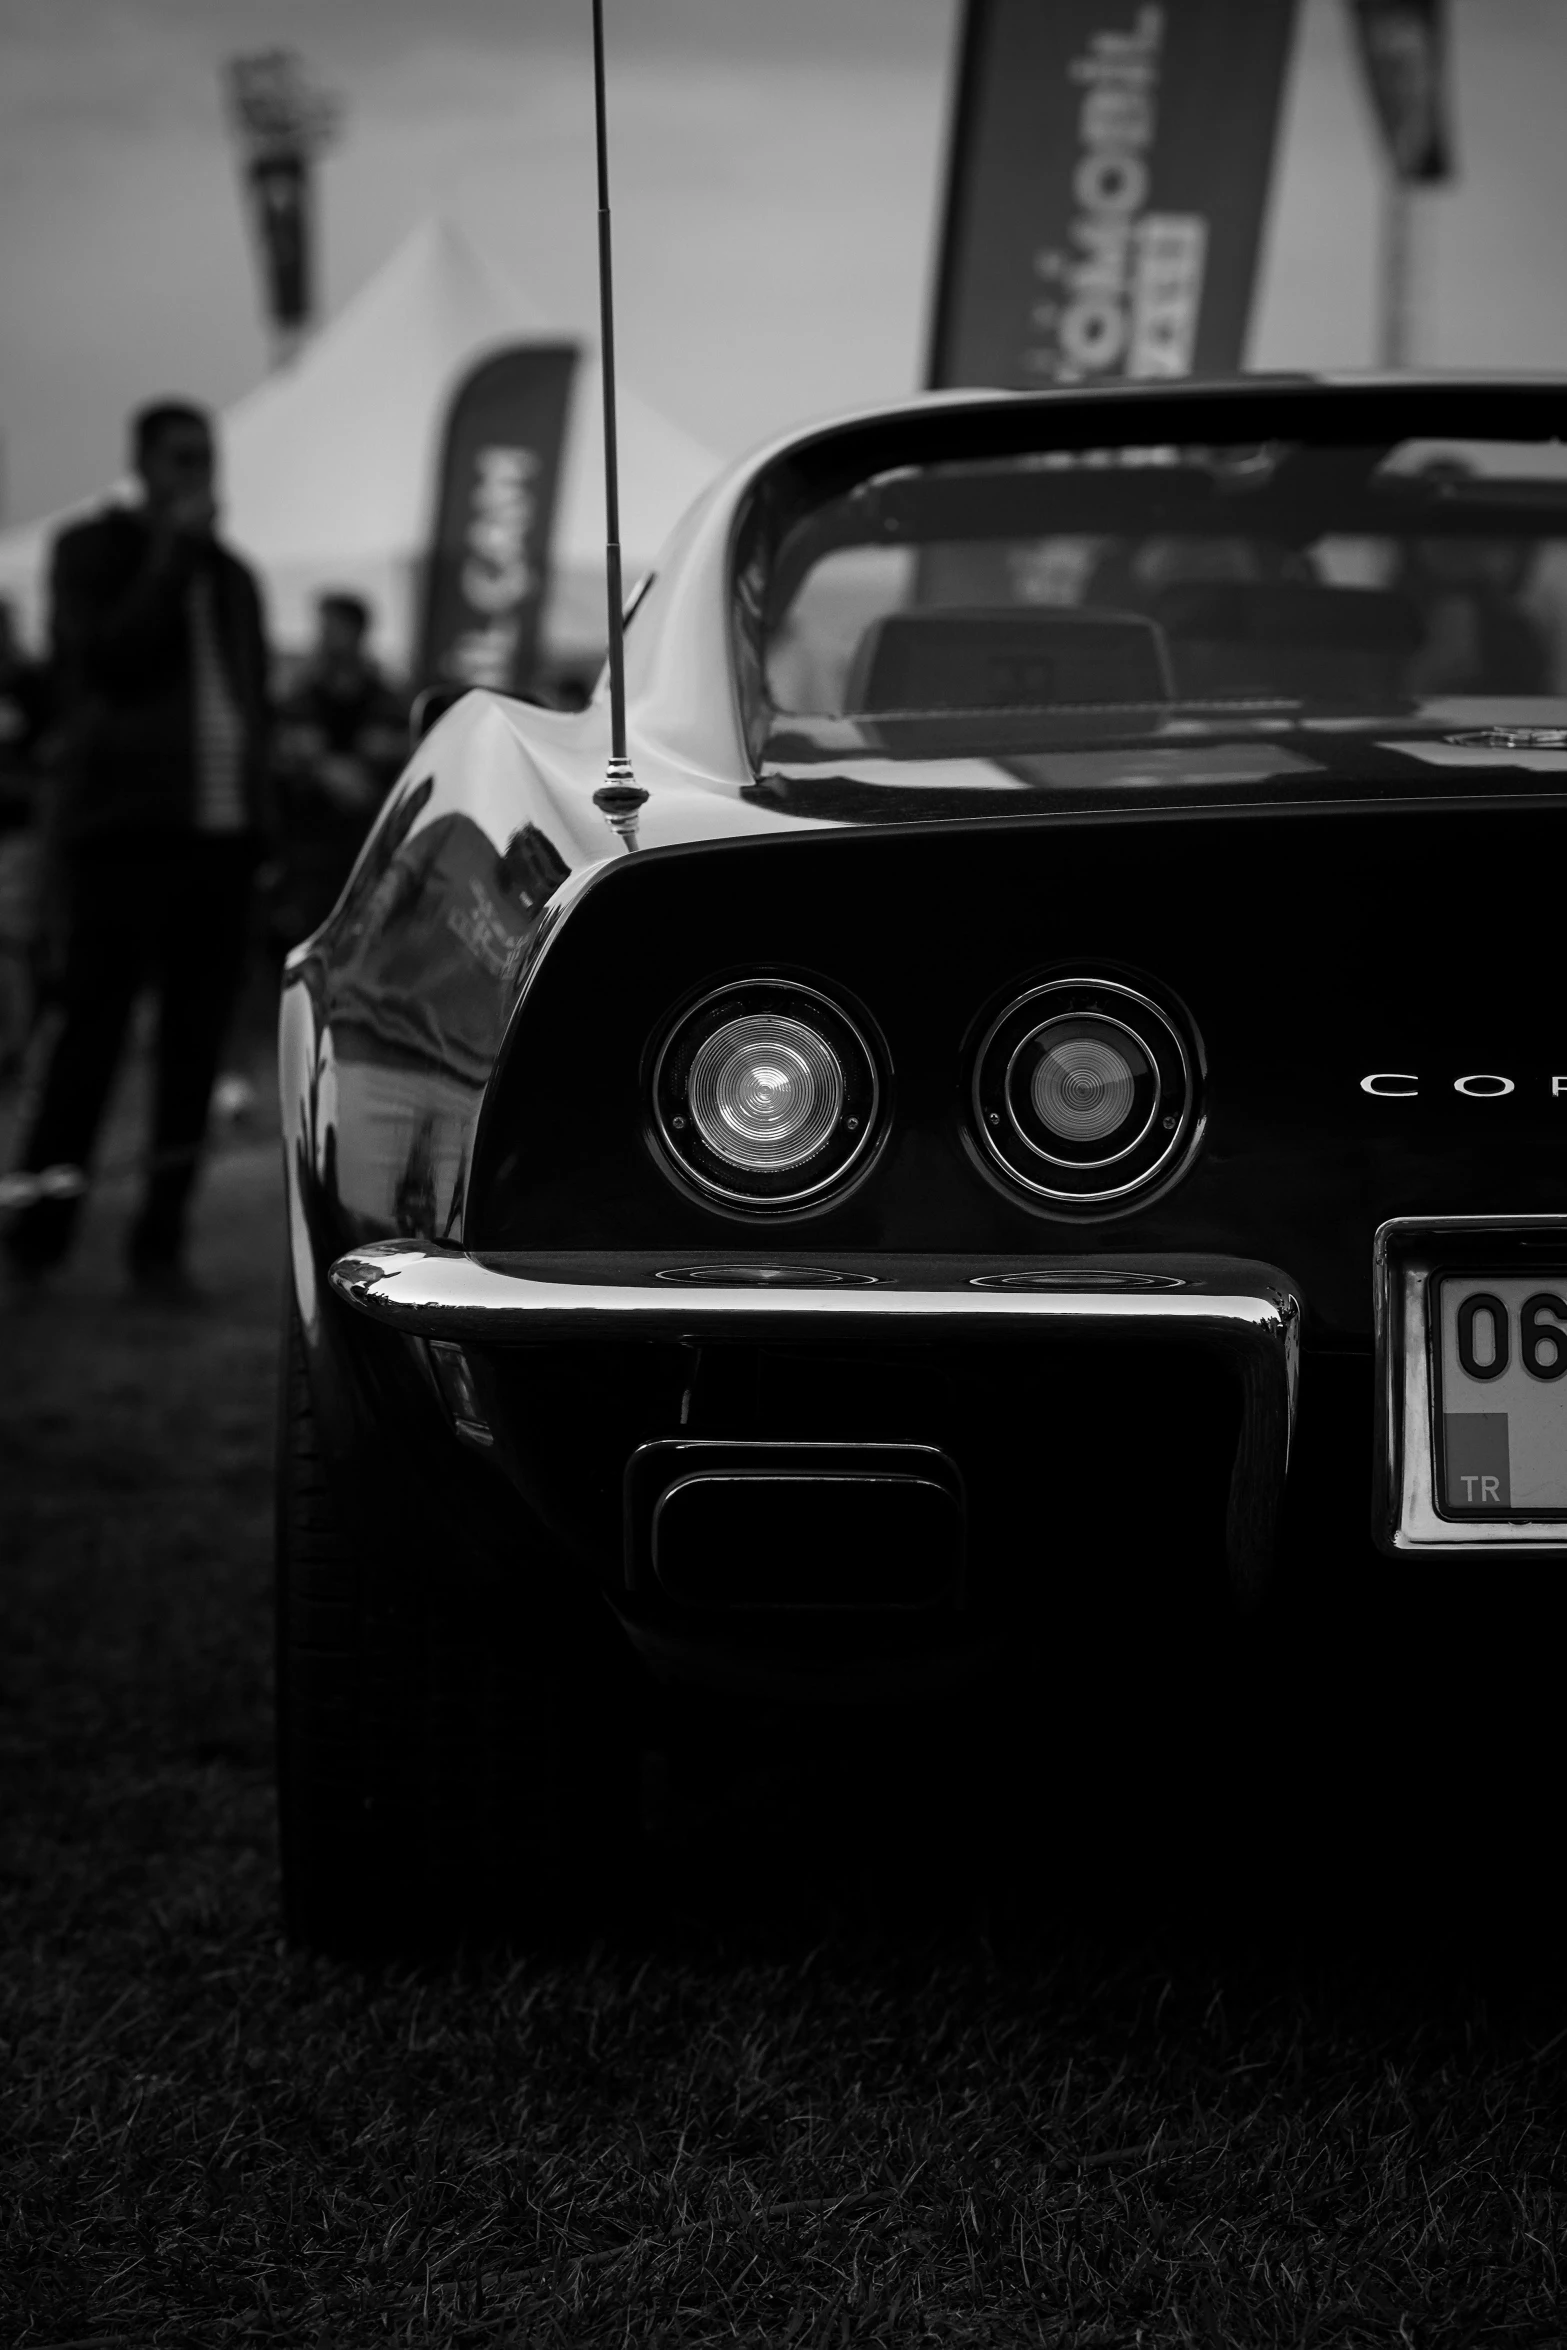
1247,1311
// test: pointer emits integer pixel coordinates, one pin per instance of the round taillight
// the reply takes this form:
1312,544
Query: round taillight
1084,1092
765,1093
1081,1090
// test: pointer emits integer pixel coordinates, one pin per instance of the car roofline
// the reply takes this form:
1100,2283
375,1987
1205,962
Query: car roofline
674,705
1332,385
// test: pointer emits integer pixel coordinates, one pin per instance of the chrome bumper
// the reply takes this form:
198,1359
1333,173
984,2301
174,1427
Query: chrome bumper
1246,1310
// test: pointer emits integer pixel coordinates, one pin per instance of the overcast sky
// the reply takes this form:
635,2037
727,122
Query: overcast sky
776,167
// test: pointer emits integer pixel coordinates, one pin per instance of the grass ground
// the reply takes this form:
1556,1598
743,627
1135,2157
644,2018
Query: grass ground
828,2092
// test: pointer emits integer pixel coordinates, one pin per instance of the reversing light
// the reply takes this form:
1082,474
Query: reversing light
765,1093
1083,1092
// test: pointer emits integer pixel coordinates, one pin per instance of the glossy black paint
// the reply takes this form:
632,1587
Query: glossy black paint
1310,948
469,1043
1037,1434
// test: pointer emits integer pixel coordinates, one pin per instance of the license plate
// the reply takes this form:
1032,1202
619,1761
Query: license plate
1499,1365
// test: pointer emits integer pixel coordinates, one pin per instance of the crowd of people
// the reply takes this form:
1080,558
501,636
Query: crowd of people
173,816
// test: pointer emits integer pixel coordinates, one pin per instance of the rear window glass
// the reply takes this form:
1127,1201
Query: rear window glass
1075,596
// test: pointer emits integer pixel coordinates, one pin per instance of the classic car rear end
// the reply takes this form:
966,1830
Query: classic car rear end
918,1225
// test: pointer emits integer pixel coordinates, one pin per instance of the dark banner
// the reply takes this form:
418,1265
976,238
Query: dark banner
282,122
280,201
489,558
1403,48
1108,177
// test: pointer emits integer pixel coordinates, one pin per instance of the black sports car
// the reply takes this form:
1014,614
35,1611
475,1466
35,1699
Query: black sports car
1055,1132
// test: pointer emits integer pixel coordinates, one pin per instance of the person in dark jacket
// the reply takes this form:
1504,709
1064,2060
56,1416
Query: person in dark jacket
154,824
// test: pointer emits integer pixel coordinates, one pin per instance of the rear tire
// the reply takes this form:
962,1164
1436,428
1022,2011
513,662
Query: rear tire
454,1748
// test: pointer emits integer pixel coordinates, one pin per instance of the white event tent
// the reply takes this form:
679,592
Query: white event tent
329,466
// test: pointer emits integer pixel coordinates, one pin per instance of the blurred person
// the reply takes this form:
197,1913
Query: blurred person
1544,598
342,736
154,822
1054,571
1480,638
1471,594
26,705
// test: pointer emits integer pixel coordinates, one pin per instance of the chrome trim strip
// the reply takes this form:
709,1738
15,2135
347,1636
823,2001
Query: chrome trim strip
439,1292
1405,1519
1248,1310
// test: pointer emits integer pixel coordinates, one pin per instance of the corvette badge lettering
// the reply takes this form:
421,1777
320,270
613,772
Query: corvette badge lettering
1480,1086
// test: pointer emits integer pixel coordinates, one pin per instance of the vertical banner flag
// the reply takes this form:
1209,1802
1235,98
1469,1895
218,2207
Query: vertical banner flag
1403,48
489,556
280,190
282,123
1109,171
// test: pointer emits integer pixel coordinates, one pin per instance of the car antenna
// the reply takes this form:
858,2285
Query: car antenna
619,798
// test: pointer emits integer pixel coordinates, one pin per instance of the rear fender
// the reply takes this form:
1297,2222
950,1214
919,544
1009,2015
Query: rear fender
390,1019
395,1010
